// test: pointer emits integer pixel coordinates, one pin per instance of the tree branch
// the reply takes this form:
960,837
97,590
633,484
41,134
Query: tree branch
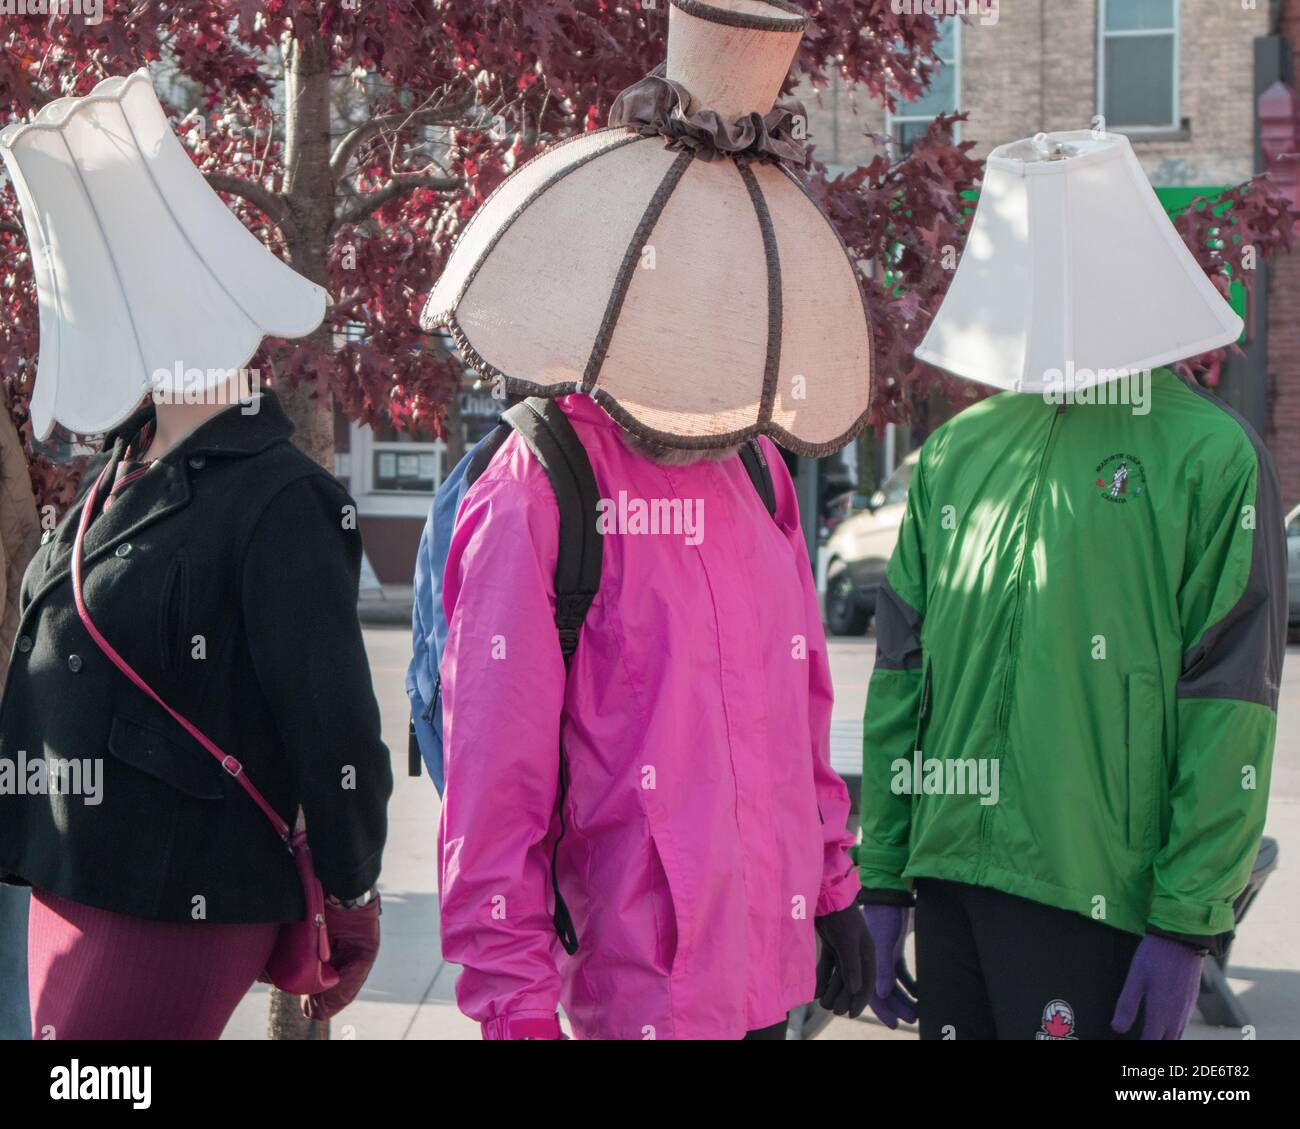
272,203
438,114
368,203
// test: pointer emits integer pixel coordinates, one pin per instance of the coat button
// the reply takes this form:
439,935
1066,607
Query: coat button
198,462
74,663
24,643
47,537
124,550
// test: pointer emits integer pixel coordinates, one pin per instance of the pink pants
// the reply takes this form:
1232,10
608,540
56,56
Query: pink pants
94,974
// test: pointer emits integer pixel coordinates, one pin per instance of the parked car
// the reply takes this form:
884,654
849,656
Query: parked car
859,550
1293,567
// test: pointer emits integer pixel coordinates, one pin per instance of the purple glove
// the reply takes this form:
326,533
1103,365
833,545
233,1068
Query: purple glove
1167,975
887,926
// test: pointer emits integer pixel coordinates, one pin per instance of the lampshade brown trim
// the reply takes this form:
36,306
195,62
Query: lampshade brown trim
708,12
432,319
775,297
630,423
631,256
857,277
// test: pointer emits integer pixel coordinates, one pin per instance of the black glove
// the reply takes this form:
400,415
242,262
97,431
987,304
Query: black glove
846,970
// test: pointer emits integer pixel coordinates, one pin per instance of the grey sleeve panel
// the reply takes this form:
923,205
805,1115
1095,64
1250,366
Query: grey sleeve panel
1240,657
898,631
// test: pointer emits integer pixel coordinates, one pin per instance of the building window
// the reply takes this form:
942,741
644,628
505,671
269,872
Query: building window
907,125
404,463
393,473
1137,65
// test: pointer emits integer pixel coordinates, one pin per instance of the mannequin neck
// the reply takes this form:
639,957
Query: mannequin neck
176,419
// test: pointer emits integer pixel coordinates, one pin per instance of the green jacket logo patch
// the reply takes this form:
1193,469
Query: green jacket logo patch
1120,478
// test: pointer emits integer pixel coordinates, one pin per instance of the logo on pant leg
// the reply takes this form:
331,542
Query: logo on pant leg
1058,1022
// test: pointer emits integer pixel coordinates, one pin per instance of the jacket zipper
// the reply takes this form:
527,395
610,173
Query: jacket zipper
1013,643
427,716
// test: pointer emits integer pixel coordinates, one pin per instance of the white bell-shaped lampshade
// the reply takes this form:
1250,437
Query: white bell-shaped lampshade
1072,274
145,279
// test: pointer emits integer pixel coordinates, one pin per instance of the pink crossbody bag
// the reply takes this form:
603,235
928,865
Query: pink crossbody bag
299,963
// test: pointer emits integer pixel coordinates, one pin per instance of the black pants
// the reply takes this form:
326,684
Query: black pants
991,965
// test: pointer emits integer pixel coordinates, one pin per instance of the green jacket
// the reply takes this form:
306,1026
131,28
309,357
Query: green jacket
1090,602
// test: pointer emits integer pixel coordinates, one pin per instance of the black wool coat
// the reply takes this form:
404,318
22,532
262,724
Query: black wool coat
226,575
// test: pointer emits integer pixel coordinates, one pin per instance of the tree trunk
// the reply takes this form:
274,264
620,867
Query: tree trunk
309,190
286,1020
455,431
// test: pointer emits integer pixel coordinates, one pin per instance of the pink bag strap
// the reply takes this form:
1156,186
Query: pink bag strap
229,763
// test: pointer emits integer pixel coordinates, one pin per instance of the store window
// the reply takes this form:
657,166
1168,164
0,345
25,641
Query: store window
1137,65
404,462
907,125
394,473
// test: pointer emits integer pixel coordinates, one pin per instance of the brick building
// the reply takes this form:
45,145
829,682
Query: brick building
1195,86
1280,145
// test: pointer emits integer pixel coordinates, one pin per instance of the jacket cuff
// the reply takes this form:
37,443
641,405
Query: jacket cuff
1196,919
1215,946
877,874
838,895
886,897
524,1025
355,882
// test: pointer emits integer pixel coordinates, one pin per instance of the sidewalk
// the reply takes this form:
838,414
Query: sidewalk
410,994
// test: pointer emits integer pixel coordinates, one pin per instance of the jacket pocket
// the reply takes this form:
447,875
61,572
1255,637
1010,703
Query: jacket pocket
173,617
665,908
177,761
924,709
1142,749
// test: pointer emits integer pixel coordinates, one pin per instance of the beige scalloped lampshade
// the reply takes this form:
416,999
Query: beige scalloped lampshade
700,301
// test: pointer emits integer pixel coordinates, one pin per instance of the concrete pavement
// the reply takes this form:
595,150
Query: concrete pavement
410,994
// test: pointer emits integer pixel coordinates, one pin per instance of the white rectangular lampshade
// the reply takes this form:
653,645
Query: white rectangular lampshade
1072,272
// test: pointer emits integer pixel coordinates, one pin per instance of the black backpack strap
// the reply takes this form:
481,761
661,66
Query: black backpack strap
556,446
760,474
485,454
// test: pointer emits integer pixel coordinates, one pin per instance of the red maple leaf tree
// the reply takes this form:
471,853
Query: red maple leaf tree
356,140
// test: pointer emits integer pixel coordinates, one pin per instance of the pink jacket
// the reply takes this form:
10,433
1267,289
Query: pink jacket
705,827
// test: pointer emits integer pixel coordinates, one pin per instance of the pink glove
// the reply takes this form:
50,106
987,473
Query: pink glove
354,946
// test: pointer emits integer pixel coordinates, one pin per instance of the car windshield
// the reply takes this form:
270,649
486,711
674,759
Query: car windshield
895,487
